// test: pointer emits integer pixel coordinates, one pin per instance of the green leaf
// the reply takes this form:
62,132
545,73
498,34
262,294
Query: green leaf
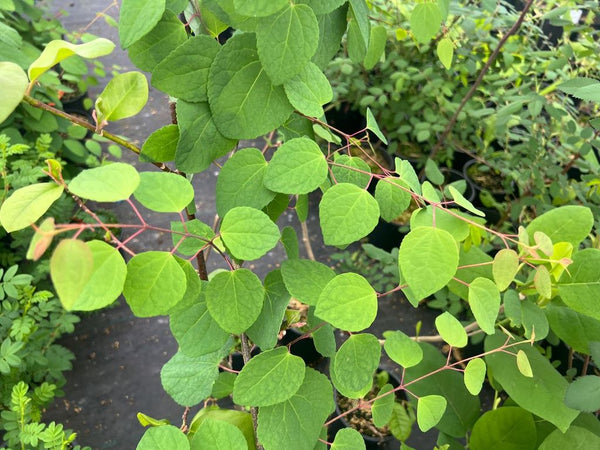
191,244
430,410
241,182
584,394
475,375
258,8
110,183
575,438
348,439
137,18
505,268
484,300
190,380
444,220
462,201
523,364
402,349
348,302
579,288
196,332
445,52
161,145
383,407
355,363
164,437
586,89
323,6
332,27
323,334
248,233
57,50
155,46
541,395
184,72
289,240
235,299
509,428
28,204
106,281
375,51
13,82
297,167
240,419
306,279
428,259
351,169
266,328
296,423
474,257
357,50
164,192
401,423
577,330
218,435
124,96
223,386
347,214
200,142
309,90
570,223
407,173
542,282
392,200
155,283
451,330
287,41
272,377
360,13
372,125
71,267
425,21
533,320
463,408
244,102
41,239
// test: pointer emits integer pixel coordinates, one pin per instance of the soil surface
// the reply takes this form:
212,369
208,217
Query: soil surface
116,373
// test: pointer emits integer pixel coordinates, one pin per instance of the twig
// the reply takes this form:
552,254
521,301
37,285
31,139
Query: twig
475,85
306,241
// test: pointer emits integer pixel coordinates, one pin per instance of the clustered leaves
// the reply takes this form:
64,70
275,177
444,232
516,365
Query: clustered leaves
267,78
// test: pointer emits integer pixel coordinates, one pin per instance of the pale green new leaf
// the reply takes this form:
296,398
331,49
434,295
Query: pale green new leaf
164,192
347,214
484,300
475,375
425,21
161,145
445,52
402,349
13,84
248,233
109,183
451,330
235,299
137,18
460,200
71,267
348,302
505,267
351,169
58,50
523,364
155,283
287,41
383,407
269,378
430,410
309,91
374,127
348,439
184,72
28,204
297,167
124,96
164,437
542,282
428,259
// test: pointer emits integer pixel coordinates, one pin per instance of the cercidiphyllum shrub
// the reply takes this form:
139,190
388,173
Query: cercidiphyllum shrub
267,77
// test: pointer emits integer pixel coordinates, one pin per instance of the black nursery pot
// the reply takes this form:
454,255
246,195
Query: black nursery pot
388,442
